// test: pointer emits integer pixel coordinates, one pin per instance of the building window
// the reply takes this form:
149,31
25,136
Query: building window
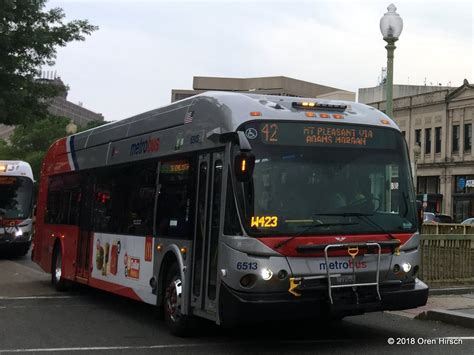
418,136
427,140
428,185
467,137
438,140
456,139
464,184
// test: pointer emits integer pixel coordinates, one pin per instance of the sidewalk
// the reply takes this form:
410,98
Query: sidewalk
449,305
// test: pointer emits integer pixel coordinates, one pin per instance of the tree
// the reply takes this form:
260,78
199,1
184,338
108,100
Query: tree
31,142
92,124
29,36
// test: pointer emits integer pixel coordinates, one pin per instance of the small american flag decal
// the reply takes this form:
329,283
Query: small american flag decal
188,118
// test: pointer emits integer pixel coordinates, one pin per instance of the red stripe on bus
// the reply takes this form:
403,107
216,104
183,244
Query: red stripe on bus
289,249
114,288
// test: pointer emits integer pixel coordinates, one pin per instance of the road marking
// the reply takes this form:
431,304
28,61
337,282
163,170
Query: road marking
164,346
12,298
102,348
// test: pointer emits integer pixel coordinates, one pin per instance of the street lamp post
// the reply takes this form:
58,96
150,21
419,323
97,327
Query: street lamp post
391,25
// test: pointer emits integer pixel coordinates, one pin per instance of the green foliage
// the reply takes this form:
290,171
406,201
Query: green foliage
29,36
92,124
30,142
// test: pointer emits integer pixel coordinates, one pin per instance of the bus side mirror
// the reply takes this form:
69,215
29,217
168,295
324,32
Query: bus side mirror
244,163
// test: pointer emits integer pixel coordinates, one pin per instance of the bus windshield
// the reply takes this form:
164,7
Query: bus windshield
308,180
15,197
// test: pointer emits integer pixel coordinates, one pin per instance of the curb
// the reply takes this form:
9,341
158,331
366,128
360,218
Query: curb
451,291
454,316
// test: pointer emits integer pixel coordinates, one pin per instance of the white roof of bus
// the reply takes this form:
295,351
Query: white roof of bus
16,168
227,110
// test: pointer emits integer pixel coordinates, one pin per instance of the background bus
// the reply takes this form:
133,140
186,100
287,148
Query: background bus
232,206
16,206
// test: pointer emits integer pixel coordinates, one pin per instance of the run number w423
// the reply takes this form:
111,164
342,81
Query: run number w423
264,222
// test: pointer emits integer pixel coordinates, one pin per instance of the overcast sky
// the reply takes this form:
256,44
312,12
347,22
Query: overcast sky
144,49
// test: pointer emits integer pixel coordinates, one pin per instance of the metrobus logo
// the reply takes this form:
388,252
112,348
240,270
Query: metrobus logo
343,265
151,145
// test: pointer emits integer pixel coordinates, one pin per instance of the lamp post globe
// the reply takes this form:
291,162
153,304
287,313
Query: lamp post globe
71,128
391,26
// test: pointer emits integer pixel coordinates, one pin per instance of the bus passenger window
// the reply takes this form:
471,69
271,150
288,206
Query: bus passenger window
124,202
63,199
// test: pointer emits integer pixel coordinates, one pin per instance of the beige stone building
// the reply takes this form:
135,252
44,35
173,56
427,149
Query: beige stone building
441,123
274,85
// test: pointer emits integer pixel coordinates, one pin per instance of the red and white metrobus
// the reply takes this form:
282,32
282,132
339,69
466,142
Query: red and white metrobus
16,206
232,206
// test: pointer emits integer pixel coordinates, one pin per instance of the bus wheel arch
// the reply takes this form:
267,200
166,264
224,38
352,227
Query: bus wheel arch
169,259
171,296
57,267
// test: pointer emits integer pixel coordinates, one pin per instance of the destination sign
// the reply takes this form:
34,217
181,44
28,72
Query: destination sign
7,180
324,134
179,167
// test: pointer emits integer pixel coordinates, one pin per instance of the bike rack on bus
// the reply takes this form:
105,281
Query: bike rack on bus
353,249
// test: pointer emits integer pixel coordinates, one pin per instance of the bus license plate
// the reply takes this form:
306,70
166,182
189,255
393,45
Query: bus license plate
344,280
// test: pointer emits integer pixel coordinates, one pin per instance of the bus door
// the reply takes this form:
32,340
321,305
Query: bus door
84,247
206,231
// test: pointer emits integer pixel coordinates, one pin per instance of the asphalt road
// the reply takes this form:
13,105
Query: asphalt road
36,319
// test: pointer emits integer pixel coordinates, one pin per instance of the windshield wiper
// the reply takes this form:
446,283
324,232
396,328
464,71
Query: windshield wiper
363,216
308,228
345,214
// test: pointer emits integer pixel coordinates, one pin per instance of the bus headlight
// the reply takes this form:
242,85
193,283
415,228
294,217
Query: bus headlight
406,267
18,233
266,274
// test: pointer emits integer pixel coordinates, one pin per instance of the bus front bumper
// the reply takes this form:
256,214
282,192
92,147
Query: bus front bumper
236,306
8,240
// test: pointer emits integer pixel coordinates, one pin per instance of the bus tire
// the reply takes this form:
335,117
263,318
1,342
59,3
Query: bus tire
178,323
57,279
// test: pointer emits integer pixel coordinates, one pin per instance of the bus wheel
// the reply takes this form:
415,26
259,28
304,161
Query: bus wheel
57,270
178,323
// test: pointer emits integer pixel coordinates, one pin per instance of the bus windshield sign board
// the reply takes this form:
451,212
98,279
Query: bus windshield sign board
325,134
